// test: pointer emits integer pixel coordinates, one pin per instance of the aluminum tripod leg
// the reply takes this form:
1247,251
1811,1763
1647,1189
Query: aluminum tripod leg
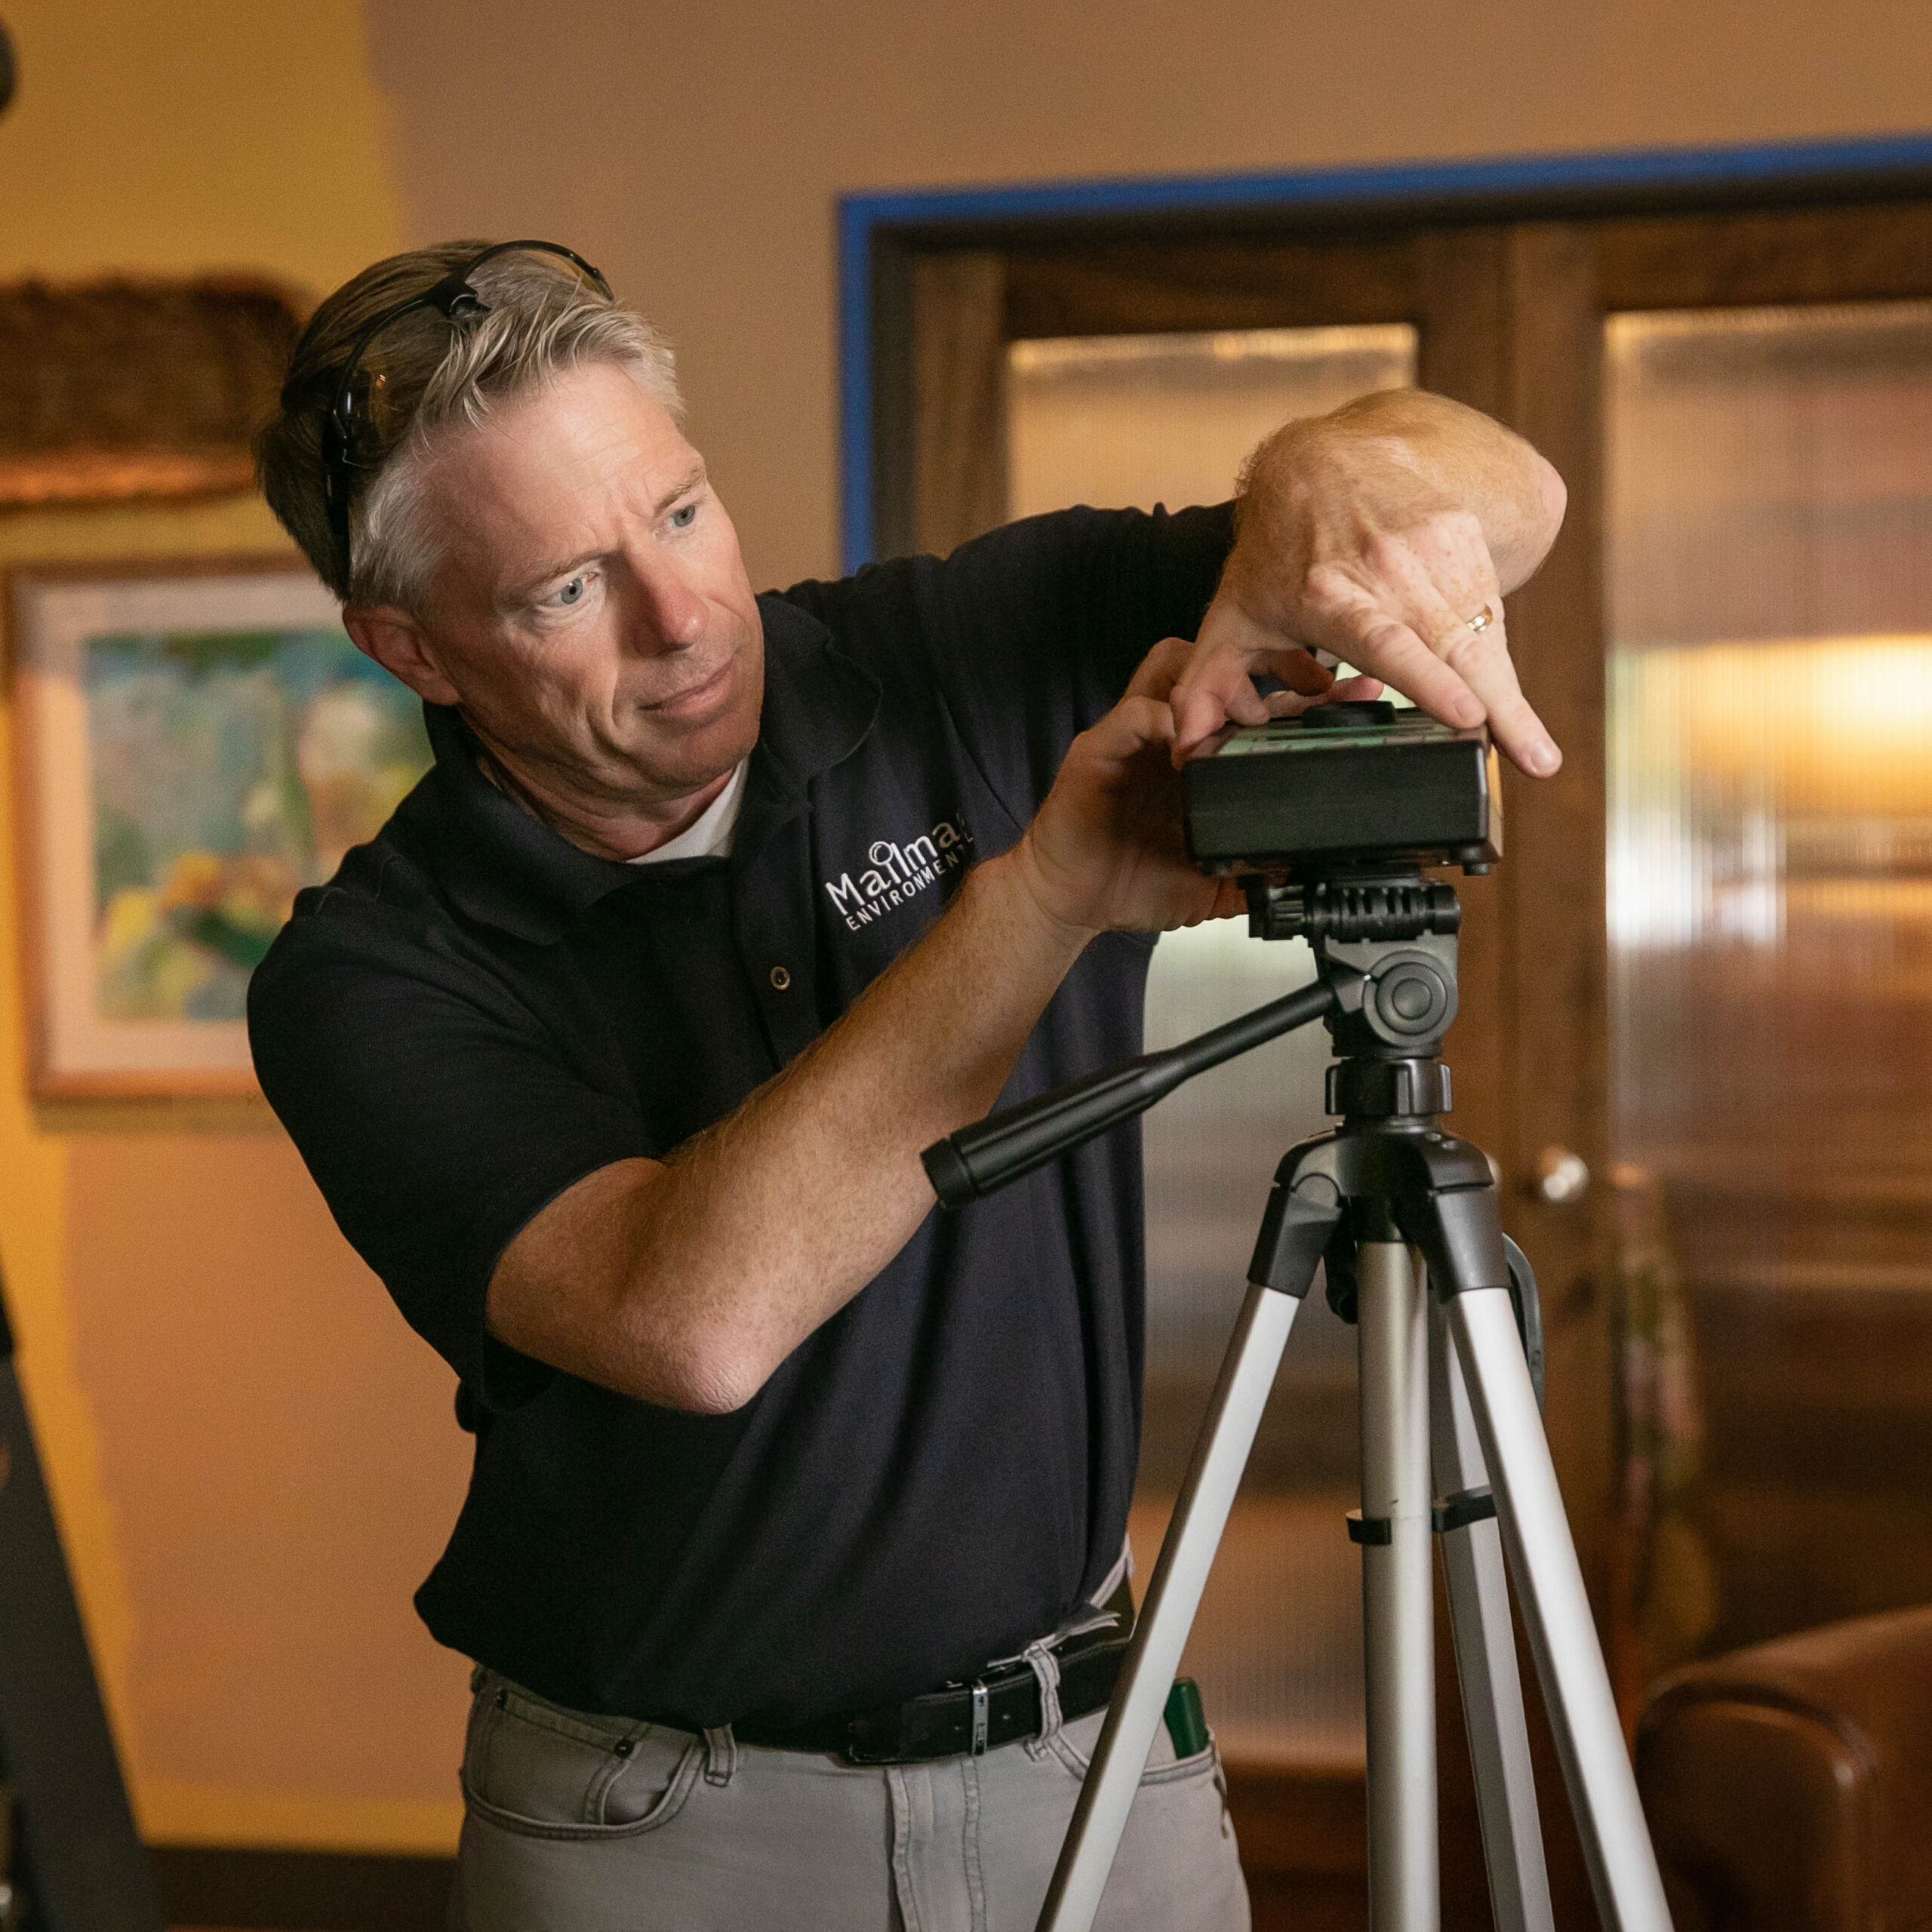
1201,1514
1479,1592
1398,1589
1556,1613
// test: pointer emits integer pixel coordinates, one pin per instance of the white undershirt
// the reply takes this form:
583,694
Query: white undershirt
708,836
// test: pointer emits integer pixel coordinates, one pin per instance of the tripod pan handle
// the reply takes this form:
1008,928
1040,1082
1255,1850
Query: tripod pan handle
983,1158
979,1159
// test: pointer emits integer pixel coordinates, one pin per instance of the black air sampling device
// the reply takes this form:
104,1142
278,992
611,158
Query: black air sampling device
1345,785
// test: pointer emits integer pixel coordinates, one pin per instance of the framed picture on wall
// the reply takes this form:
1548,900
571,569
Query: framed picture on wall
196,742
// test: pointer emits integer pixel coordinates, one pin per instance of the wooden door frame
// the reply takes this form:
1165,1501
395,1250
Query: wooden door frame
879,233
1542,266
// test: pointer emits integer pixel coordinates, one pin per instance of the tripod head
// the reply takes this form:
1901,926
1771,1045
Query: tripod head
1385,949
1384,941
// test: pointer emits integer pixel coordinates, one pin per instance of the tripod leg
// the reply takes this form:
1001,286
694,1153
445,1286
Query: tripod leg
1398,1589
1220,1454
1478,1592
1556,1611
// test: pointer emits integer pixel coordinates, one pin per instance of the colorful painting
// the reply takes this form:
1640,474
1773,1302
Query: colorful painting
200,747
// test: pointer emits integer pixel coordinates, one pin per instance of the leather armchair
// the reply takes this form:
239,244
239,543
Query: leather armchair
1789,1785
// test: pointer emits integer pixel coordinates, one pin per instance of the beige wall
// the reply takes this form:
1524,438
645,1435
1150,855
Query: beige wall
253,1459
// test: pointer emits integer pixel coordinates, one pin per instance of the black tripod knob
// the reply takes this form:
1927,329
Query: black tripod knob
1410,1000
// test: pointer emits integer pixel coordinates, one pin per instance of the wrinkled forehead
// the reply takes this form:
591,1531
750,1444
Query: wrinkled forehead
566,467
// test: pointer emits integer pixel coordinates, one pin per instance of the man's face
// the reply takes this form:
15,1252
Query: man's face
590,612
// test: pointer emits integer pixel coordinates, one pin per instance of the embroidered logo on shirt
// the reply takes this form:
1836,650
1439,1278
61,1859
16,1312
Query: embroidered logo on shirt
898,872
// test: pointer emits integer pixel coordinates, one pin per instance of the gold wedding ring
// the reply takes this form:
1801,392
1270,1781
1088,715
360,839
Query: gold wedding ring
1481,621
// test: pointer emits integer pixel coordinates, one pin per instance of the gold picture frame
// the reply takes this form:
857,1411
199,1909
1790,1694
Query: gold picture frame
196,741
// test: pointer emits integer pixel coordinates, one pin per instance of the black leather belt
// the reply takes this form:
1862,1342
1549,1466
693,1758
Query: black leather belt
962,1720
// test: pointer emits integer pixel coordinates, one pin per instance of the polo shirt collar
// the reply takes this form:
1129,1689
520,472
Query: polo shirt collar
506,869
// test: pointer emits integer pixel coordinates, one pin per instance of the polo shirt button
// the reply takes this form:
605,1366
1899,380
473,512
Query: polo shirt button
780,978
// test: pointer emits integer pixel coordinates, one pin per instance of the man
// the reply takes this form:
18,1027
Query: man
798,1510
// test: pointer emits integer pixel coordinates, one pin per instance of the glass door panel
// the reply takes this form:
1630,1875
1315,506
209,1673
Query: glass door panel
1769,595
1137,419
1119,420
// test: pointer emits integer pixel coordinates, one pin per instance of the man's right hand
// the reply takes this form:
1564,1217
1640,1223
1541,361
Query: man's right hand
1107,850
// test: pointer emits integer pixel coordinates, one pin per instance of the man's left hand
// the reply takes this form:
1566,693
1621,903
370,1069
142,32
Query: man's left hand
1386,534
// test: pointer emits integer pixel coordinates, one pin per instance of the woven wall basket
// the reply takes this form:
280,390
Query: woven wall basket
128,388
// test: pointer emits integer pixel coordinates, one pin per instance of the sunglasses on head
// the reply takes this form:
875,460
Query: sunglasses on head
351,439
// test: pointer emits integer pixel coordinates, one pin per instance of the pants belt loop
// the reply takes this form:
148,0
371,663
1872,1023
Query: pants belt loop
720,1755
1045,1666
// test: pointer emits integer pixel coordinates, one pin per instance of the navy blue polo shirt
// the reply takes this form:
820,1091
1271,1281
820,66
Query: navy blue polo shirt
473,1014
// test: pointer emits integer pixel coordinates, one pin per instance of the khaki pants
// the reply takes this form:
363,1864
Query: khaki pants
578,1824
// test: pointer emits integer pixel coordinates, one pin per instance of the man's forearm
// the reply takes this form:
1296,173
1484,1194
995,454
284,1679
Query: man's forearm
712,1268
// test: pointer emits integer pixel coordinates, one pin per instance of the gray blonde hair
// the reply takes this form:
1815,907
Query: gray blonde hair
541,318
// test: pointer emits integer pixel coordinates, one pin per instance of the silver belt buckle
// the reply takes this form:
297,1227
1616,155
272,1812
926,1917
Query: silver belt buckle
981,1712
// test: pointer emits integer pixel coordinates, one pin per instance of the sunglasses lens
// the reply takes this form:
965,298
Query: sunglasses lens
366,417
372,416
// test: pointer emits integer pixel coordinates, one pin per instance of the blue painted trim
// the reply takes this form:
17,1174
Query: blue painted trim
860,215
856,222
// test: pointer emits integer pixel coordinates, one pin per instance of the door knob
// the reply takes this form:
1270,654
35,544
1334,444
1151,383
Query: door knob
1562,1176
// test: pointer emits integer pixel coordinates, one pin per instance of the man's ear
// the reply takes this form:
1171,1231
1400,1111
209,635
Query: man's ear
399,644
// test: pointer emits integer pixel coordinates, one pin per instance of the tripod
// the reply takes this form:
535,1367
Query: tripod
1397,1209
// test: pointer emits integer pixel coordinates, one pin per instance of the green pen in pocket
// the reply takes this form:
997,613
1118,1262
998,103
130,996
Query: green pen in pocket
1187,1723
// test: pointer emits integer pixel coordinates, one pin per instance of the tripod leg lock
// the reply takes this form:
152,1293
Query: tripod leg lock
1376,1530
1455,1513
1464,1507
1302,1213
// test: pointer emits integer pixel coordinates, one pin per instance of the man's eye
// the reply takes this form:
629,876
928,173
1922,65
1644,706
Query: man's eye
571,592
683,516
